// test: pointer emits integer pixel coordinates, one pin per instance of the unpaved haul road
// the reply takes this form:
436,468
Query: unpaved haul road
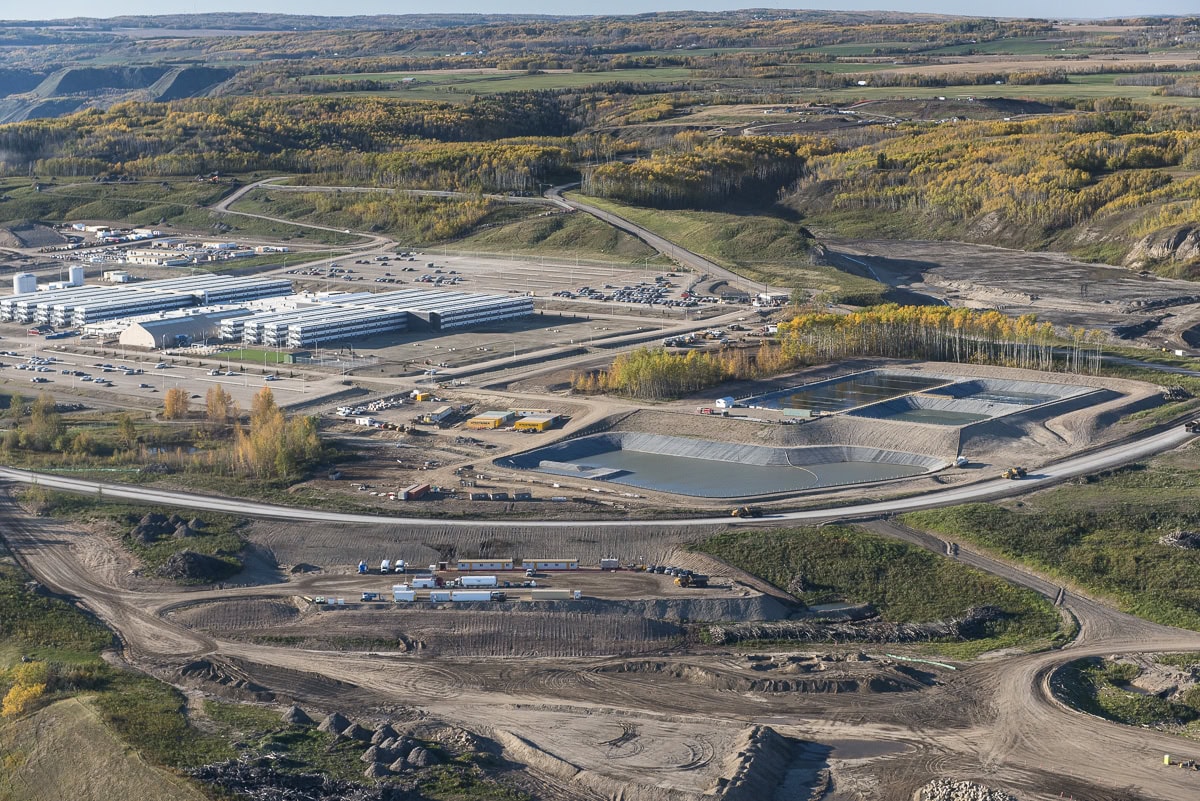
995,721
1101,459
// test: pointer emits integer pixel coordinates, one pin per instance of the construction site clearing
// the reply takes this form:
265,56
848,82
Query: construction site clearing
459,449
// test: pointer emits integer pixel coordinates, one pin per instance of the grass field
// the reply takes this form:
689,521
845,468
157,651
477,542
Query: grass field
765,249
461,86
842,563
177,203
66,751
1102,688
562,235
1101,534
1077,86
255,356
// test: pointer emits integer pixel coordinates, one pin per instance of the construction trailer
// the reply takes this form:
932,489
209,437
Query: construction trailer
610,563
438,415
478,581
400,594
476,565
550,564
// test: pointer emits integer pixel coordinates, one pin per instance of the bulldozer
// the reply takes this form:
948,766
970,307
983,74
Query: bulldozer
1013,473
746,511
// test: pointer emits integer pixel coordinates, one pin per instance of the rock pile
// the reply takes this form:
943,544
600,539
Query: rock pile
1181,539
947,790
189,565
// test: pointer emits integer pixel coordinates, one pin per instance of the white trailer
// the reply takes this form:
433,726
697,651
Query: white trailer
478,581
424,583
470,595
403,596
441,596
610,563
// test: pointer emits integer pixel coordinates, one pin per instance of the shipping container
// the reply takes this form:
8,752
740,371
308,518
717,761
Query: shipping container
439,596
478,581
470,595
412,492
610,564
403,596
424,583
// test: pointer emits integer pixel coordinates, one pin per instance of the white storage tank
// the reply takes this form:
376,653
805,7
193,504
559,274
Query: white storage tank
24,283
75,275
459,596
478,581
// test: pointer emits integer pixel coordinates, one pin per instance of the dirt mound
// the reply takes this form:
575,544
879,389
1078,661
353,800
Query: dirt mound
228,677
973,624
727,680
192,566
25,234
305,567
383,734
295,716
237,613
356,732
758,767
947,790
335,723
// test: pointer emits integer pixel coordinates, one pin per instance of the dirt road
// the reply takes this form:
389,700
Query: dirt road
994,721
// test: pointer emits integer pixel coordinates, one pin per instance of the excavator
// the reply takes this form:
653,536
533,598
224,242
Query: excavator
1013,473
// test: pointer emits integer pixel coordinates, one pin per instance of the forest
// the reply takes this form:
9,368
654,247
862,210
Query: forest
667,126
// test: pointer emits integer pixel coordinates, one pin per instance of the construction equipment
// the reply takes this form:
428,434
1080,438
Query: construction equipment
1192,426
746,511
689,579
1013,473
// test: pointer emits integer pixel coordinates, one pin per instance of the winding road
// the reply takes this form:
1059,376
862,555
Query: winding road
995,721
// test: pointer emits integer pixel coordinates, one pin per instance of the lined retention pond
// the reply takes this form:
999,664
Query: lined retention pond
716,469
847,392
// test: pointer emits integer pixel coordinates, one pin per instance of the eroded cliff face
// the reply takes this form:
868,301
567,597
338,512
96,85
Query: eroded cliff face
1176,244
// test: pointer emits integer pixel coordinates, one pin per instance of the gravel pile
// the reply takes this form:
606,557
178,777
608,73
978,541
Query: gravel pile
947,790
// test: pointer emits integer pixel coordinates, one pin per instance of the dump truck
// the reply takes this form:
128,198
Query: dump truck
1014,473
746,511
689,579
1192,426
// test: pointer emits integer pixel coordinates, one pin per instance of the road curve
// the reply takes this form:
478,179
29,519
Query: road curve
1100,459
683,256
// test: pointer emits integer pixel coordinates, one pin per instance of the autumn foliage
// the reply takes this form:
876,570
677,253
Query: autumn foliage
657,374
